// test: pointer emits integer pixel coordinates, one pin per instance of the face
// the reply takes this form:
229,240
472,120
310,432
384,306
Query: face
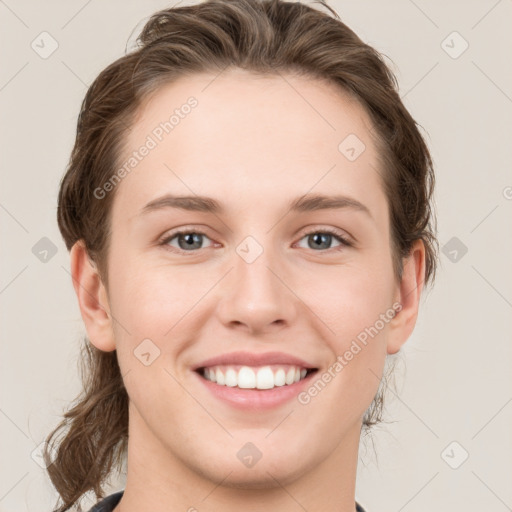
254,275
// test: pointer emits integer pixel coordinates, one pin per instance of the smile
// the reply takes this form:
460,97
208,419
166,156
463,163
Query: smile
254,388
263,377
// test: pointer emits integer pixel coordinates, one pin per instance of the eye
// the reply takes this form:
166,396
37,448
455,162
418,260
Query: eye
319,239
187,240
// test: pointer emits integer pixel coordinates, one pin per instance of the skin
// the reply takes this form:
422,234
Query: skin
253,144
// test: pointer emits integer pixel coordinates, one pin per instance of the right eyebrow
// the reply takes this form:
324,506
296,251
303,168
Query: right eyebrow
324,202
301,204
192,203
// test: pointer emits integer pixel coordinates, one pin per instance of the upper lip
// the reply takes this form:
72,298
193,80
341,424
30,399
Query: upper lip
253,359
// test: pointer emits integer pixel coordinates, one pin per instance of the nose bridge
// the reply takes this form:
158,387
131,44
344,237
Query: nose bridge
253,263
255,293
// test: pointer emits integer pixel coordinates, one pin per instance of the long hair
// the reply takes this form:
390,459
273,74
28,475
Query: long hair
263,36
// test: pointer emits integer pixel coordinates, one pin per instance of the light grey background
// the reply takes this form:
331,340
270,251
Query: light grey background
455,380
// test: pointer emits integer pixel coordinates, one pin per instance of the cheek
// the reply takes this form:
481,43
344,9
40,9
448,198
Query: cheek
357,308
150,298
152,306
159,303
351,299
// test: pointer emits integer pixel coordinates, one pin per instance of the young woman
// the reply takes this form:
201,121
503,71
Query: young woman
248,208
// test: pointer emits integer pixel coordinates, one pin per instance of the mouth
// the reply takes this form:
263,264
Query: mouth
255,377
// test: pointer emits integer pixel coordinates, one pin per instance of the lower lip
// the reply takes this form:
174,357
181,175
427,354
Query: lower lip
256,399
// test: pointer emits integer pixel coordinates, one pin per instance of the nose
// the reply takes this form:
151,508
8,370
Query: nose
257,296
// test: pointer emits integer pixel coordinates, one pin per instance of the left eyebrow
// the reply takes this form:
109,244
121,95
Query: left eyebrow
323,202
209,205
191,203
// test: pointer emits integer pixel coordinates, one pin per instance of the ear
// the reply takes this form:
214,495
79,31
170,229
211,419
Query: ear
92,298
408,296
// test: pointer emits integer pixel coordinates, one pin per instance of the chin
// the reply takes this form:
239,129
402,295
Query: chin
265,474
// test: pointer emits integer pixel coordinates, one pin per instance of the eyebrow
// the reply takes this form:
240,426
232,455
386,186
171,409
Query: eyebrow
301,204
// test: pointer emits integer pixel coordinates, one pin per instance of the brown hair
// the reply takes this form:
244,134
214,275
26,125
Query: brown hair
262,36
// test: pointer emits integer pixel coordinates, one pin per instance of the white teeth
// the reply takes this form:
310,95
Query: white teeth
265,378
231,378
279,378
219,377
246,377
290,376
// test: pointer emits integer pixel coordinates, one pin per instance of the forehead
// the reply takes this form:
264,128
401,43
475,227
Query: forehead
246,136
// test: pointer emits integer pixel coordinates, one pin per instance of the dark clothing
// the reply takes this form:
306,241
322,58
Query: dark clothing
108,504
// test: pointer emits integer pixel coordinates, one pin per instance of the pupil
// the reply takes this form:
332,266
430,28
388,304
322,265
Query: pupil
190,239
319,236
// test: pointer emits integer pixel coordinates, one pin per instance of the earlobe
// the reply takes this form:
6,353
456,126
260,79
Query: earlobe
408,296
92,298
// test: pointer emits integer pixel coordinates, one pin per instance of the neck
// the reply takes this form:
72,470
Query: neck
159,481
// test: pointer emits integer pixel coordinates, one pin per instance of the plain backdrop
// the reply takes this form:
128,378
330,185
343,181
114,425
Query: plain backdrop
448,444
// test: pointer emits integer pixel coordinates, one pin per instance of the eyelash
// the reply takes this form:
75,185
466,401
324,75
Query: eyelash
330,231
